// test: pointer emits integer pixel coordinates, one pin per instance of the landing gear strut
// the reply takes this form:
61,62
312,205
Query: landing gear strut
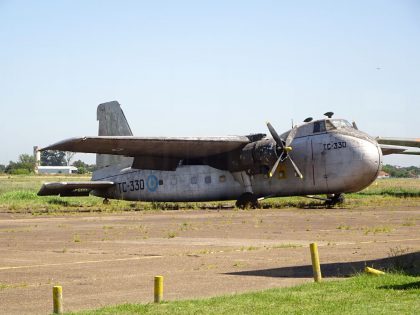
334,199
247,200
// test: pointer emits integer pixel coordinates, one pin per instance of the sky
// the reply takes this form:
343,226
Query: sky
206,68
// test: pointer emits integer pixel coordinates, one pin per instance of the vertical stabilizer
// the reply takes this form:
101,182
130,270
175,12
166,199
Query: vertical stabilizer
112,122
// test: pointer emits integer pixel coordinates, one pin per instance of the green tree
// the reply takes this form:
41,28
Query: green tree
394,171
2,168
24,165
82,167
53,158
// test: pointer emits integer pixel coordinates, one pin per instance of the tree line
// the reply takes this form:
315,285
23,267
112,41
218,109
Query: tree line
396,171
26,163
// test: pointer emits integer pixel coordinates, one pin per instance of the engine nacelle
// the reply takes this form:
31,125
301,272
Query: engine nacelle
258,157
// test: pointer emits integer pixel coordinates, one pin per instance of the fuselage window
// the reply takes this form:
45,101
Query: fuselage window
207,179
194,180
160,182
222,178
319,126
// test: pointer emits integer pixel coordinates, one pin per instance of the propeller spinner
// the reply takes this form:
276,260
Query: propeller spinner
284,147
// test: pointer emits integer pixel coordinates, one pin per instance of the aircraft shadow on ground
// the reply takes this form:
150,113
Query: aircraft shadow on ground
407,263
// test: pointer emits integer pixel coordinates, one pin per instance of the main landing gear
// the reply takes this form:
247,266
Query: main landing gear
247,200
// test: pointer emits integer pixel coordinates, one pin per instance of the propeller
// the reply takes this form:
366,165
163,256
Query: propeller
284,147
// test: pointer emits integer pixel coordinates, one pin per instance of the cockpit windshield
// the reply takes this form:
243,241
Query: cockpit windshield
341,123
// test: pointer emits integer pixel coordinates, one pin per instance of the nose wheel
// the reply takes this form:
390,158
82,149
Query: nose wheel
247,200
335,199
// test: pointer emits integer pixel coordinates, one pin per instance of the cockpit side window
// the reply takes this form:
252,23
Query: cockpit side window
319,126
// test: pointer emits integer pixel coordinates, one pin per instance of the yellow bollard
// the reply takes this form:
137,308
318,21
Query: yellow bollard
158,289
57,300
315,262
375,272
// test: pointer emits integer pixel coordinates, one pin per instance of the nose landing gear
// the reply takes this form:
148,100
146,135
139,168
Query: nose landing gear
334,199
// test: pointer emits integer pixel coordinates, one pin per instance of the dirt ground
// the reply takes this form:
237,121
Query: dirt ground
102,259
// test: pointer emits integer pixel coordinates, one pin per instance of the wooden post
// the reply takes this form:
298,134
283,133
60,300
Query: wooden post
315,262
57,300
158,289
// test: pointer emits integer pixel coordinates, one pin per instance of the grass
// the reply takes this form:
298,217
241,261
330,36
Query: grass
288,245
171,234
18,194
4,286
363,294
377,230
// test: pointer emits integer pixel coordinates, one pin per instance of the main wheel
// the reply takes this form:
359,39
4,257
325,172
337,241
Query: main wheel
247,200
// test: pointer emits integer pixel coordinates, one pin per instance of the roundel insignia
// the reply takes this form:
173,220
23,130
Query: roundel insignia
152,183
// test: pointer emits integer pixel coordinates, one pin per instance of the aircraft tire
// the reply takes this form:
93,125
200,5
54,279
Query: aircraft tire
335,199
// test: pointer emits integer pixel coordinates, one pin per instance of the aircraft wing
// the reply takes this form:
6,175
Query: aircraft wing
406,142
181,148
392,149
72,189
398,145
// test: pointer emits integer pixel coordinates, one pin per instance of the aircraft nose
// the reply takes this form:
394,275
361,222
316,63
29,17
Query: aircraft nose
371,156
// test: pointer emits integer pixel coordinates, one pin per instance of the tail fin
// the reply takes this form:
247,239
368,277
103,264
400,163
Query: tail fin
112,122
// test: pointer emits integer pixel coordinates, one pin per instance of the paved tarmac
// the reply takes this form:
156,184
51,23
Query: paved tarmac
103,259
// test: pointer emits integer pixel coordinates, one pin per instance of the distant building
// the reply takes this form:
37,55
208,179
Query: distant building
383,174
57,170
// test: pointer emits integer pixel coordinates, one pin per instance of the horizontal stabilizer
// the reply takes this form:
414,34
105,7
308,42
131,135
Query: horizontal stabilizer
72,189
169,147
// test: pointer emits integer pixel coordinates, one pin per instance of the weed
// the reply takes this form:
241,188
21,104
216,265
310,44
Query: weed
185,226
398,251
343,227
289,245
239,264
409,223
243,248
377,230
4,286
76,238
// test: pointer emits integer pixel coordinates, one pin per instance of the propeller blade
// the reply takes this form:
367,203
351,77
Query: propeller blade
275,135
296,168
285,149
274,168
291,136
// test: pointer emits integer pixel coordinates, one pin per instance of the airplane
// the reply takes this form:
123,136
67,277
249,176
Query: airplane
327,156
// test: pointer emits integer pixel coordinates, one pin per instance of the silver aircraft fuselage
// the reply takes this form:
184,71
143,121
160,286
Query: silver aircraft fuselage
336,161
